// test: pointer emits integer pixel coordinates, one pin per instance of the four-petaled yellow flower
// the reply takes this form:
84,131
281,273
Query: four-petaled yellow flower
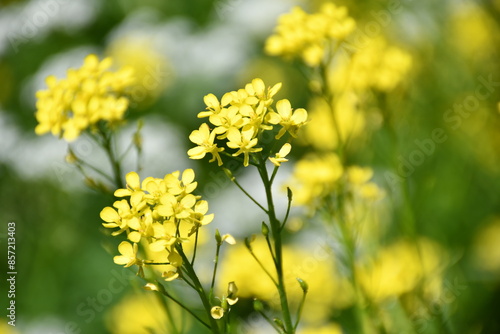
128,255
289,121
244,141
205,139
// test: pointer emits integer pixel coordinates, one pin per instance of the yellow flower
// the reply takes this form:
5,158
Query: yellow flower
159,214
133,184
240,119
213,104
128,255
88,95
403,267
376,65
184,186
315,177
486,250
170,206
205,139
280,156
327,290
289,121
244,141
310,36
152,71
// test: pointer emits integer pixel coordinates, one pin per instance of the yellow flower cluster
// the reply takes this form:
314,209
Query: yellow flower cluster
327,290
240,118
404,267
88,95
310,36
346,118
375,65
318,176
156,214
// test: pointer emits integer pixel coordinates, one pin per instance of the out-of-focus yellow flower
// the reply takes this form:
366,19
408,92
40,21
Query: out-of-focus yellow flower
314,177
142,313
88,95
403,267
327,289
321,130
310,36
375,65
486,249
240,118
326,329
6,328
152,71
473,31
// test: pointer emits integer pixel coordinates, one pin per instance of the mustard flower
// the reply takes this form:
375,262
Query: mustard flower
289,121
185,185
244,141
280,156
310,36
205,139
213,104
170,206
128,254
88,95
240,119
133,184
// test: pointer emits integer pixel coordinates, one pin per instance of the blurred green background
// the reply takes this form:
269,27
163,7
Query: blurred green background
64,262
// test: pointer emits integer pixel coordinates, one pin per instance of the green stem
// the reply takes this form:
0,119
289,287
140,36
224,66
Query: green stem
264,268
166,294
200,290
233,179
107,143
276,233
170,317
215,268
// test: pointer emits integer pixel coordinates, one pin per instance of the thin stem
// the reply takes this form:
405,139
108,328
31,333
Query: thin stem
195,247
299,312
270,249
233,179
271,322
185,308
110,152
263,268
95,169
289,206
216,263
170,317
199,289
276,233
275,171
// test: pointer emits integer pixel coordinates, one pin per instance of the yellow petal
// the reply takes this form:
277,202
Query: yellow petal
125,248
133,180
108,214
